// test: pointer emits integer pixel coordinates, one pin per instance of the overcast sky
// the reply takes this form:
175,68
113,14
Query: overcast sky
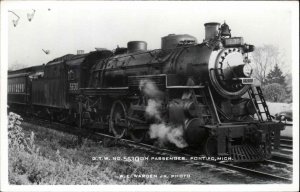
64,28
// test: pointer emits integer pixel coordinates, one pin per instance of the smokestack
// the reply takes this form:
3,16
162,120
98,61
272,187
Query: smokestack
211,30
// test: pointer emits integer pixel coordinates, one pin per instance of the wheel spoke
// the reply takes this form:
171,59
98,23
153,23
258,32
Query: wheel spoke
118,123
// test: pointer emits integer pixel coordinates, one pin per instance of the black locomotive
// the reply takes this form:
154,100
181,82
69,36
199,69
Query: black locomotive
196,95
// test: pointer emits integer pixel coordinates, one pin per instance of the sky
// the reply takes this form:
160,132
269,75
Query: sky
64,28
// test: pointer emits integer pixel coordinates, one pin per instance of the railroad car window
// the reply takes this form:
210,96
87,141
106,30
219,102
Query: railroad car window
71,75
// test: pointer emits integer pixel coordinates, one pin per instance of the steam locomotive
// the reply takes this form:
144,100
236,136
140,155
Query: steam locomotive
195,95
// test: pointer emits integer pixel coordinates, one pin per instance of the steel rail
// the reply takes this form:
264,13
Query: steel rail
255,172
223,164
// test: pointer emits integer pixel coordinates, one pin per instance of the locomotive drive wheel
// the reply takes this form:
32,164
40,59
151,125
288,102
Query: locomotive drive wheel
117,120
137,135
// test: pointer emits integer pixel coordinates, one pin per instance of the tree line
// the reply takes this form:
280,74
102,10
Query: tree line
268,63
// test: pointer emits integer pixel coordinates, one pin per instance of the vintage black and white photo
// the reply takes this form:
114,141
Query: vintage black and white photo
178,95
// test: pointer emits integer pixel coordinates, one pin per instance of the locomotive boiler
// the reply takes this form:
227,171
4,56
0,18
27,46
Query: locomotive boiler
188,94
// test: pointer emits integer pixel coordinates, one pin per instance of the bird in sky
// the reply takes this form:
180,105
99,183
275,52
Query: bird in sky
30,15
15,21
46,51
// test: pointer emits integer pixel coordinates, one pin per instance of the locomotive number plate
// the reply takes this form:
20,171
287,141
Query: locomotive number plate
247,80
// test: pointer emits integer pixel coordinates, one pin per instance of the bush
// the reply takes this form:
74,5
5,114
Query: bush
27,165
274,92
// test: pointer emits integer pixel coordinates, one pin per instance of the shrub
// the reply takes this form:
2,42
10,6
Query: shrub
274,92
27,165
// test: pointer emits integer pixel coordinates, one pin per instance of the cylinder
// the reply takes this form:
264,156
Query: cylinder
211,30
135,46
194,132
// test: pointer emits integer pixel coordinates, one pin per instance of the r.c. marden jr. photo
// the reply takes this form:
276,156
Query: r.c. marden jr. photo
149,97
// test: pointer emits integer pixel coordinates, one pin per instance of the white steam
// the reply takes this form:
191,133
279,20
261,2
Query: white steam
172,134
152,109
161,131
150,89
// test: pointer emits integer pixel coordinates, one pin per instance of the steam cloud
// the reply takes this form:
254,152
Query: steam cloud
173,134
152,109
161,131
150,89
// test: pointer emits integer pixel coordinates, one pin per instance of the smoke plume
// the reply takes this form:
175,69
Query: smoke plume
152,109
150,89
172,134
161,131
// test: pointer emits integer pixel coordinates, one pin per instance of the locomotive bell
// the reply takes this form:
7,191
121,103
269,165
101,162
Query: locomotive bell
225,31
211,30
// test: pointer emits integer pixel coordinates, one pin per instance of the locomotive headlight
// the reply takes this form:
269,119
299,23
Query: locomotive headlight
247,70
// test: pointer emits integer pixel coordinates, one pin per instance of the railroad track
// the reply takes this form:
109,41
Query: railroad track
253,170
167,152
285,153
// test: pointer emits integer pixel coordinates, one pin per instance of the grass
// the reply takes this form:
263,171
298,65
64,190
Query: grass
39,156
43,156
